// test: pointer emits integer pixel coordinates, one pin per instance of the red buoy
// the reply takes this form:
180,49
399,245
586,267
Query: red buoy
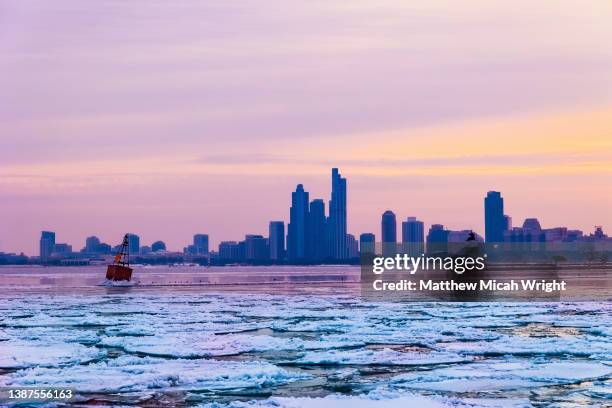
120,269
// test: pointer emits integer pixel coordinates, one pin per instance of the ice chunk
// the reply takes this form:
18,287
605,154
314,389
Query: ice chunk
20,355
385,356
527,346
502,375
129,374
377,399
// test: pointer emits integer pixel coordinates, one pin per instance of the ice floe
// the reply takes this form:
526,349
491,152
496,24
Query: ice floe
44,354
131,374
384,356
502,375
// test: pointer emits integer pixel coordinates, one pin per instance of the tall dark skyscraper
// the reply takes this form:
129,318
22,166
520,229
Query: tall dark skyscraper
134,243
276,240
298,225
47,243
337,217
413,237
495,221
200,244
317,242
389,233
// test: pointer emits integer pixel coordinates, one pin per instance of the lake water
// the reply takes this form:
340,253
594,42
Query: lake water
293,345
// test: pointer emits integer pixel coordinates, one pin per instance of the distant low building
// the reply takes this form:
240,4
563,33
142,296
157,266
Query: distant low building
256,248
367,243
158,246
413,237
200,244
228,251
47,243
62,249
352,246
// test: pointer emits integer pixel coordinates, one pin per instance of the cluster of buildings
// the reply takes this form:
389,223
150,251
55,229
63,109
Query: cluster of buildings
314,236
499,233
96,250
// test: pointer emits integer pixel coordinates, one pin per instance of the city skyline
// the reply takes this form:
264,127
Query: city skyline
312,232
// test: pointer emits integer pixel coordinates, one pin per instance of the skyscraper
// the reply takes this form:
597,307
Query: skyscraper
47,243
298,225
317,248
413,237
276,239
200,244
337,217
134,243
494,217
389,233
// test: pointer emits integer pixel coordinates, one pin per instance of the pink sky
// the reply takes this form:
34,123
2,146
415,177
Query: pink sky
172,118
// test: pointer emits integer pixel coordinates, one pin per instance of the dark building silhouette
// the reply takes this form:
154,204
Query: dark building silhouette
158,246
495,221
352,246
62,249
367,243
413,237
104,249
437,239
532,225
532,231
317,238
47,243
92,245
507,223
241,255
134,243
298,224
256,248
200,244
276,240
388,233
337,217
437,233
599,234
228,251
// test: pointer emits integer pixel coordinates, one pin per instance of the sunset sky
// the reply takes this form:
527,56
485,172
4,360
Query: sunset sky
169,118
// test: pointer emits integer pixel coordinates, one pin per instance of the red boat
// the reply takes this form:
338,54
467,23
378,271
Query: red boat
120,269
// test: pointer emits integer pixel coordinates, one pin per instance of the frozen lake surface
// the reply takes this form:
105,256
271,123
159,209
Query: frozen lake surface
194,347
